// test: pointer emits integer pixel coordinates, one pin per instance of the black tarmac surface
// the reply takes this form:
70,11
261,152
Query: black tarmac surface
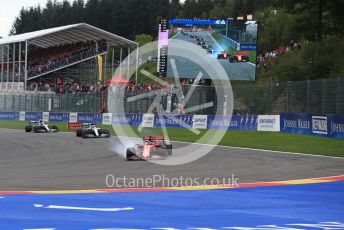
30,161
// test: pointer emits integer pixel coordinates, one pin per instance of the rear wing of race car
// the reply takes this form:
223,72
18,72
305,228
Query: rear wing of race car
151,138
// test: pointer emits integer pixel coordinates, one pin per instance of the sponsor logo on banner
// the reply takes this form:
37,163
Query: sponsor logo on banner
126,119
45,116
319,124
33,116
12,116
336,126
107,119
235,122
147,120
59,117
173,121
199,121
268,123
22,116
300,123
74,125
73,117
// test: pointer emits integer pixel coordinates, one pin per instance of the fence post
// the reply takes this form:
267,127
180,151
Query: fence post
308,95
338,86
323,85
288,88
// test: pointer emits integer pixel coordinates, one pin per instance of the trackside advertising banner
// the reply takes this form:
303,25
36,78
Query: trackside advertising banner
199,121
335,126
21,116
45,116
173,121
90,117
235,122
320,125
11,116
268,123
59,117
107,119
127,119
33,116
147,120
299,123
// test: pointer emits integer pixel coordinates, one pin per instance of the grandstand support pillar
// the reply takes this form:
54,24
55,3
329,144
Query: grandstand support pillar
13,60
8,62
19,62
105,67
113,61
128,70
2,63
137,62
120,61
25,73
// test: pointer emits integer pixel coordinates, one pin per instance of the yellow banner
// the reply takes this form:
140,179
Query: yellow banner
100,67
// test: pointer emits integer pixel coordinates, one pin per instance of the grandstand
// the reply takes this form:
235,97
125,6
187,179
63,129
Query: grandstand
26,58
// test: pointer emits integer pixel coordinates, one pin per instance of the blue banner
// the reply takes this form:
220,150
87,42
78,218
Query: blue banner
197,22
248,46
33,116
173,121
336,126
59,117
236,122
300,123
12,116
127,119
90,117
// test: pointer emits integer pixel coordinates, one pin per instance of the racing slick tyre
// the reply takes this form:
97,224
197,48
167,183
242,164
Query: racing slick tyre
35,129
245,59
169,149
84,134
130,153
106,132
54,127
28,128
78,132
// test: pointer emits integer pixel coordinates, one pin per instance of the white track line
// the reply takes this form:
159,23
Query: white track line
250,149
215,41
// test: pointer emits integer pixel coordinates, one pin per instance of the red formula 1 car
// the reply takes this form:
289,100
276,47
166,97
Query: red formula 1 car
240,56
153,148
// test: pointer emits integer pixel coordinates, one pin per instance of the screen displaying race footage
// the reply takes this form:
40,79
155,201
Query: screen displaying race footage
233,43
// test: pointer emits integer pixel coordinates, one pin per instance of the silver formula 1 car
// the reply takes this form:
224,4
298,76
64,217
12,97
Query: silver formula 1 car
40,127
153,148
93,131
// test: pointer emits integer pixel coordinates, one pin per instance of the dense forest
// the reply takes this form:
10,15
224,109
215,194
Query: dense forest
317,25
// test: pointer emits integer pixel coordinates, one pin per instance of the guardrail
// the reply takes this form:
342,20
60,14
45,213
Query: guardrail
298,123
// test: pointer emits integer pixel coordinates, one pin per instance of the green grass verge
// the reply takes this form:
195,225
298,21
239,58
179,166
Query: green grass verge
249,139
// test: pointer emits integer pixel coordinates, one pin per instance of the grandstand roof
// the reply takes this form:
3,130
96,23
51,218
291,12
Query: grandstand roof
81,32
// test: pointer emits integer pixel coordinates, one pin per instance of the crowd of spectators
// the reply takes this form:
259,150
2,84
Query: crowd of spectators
274,55
69,87
42,60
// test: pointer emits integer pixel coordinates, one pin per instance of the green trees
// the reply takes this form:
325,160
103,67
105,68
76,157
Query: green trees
317,24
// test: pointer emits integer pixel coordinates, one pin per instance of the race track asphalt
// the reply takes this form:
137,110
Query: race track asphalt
55,161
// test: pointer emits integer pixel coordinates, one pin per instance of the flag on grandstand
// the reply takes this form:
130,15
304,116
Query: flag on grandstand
100,67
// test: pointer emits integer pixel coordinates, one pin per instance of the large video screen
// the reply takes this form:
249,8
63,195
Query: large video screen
232,42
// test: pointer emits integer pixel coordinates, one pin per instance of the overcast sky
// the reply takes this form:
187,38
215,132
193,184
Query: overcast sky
10,9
